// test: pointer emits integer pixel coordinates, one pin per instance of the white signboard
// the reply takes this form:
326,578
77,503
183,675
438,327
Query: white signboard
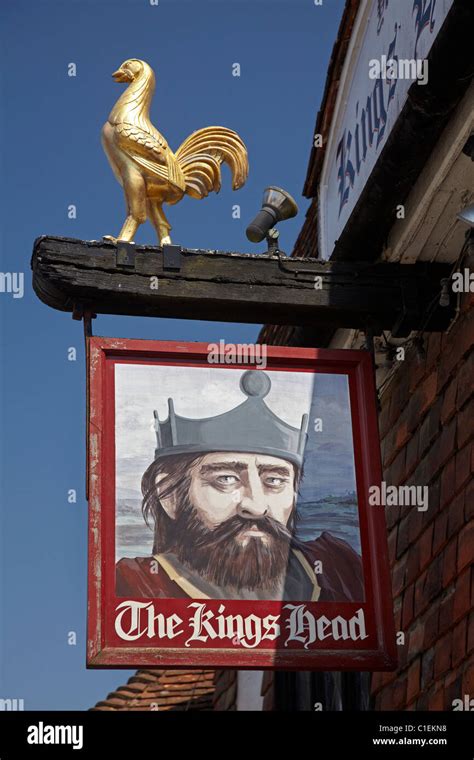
390,42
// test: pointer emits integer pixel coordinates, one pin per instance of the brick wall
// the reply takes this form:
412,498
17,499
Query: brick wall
426,427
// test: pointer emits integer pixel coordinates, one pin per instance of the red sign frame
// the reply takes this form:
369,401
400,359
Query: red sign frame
106,649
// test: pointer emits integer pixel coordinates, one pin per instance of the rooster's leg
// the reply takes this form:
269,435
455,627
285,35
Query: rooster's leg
135,194
159,221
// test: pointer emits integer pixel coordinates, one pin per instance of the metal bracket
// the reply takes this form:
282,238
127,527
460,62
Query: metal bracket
80,312
125,254
172,257
370,347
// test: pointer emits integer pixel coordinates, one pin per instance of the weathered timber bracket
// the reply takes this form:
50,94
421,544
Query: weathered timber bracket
105,278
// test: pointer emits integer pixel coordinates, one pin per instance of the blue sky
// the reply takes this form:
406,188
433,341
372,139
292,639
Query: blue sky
51,157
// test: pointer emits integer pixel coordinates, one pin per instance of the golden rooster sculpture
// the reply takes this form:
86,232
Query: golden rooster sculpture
144,164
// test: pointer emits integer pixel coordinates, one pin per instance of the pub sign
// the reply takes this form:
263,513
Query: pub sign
230,523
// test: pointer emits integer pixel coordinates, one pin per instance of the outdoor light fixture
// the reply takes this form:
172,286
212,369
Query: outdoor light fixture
277,205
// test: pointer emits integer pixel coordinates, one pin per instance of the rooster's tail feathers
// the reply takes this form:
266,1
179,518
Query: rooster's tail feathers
201,155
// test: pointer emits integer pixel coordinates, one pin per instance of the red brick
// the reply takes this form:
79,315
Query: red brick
398,575
436,698
449,401
429,584
467,303
449,562
402,652
452,688
454,346
468,678
444,446
379,680
426,544
433,350
392,545
465,381
440,531
427,668
395,472
403,533
419,597
434,496
399,692
384,416
466,547
426,393
430,427
442,661
420,401
413,564
392,516
397,613
394,697
446,611
465,425
416,523
463,467
459,642
470,634
415,641
416,371
402,435
407,609
400,394
431,627
469,501
412,453
448,483
439,453
413,686
455,515
462,599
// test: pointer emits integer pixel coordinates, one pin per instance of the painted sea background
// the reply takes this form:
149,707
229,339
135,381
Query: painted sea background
327,492
336,514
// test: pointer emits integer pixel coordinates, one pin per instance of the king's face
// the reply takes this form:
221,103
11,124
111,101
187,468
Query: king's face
252,486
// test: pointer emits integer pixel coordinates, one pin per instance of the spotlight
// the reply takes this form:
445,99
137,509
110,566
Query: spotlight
277,205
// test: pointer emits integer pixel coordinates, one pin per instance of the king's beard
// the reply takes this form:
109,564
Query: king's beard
227,556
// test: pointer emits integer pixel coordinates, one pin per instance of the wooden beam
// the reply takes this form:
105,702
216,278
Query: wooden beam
100,277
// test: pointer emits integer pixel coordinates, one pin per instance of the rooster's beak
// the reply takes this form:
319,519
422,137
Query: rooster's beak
121,76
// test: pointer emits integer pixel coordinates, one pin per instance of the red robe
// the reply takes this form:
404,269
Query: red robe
341,579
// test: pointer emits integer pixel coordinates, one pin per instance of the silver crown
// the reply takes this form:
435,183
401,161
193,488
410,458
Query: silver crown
250,427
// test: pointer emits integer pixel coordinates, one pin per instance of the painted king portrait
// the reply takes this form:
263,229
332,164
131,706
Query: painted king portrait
250,492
